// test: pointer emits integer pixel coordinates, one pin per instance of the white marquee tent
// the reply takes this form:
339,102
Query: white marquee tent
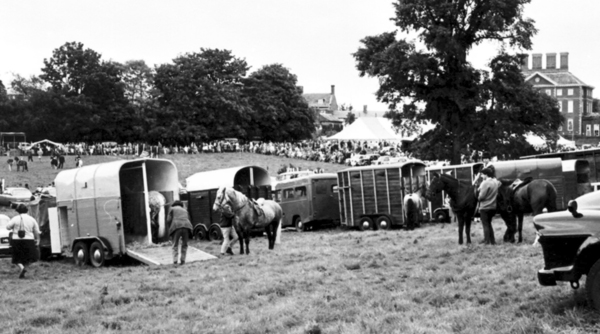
369,128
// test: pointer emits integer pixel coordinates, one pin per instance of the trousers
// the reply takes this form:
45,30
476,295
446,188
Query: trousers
227,232
182,234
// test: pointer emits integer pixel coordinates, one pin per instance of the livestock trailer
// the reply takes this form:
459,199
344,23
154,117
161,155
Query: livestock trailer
252,181
569,177
467,172
102,211
308,200
371,197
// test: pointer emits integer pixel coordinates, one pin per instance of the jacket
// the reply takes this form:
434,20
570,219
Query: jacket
178,218
488,191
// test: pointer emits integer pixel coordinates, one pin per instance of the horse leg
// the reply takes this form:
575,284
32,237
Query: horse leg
247,240
461,226
270,234
520,226
467,223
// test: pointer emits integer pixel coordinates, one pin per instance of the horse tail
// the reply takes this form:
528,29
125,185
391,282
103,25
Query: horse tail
278,232
552,195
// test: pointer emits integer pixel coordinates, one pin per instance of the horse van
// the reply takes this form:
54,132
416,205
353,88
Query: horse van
308,201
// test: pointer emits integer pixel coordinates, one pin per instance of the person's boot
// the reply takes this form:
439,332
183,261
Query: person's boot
229,251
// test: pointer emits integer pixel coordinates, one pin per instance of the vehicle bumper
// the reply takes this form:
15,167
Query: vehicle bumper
548,277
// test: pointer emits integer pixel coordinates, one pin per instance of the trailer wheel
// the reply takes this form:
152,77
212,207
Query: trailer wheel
214,233
97,257
201,233
299,225
441,216
383,223
81,254
365,223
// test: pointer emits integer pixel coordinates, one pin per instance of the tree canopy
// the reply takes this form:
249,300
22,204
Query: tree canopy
431,78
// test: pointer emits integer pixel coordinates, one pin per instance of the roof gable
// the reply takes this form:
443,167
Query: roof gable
539,79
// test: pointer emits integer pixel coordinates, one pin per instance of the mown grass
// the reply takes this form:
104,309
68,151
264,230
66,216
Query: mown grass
324,281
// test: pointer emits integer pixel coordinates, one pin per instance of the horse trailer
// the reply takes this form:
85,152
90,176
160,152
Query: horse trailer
371,197
438,211
308,200
252,181
570,178
102,211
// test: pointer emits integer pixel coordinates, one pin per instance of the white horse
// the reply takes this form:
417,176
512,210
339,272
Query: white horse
251,215
157,202
413,207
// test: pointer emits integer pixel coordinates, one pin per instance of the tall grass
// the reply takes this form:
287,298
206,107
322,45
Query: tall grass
325,281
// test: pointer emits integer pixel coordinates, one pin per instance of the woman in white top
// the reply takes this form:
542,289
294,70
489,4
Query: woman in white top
25,239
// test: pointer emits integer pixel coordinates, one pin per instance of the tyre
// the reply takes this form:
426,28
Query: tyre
383,223
97,256
365,223
299,225
214,233
200,233
592,285
81,254
441,216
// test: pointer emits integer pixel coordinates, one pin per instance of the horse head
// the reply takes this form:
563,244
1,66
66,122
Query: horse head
435,185
221,199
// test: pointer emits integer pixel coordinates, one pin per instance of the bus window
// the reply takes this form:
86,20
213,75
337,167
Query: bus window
277,195
300,192
288,193
322,187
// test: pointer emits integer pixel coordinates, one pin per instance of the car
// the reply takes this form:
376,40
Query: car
570,242
5,248
386,160
15,195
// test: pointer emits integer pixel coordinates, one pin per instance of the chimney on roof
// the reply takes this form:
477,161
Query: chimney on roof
551,61
365,108
564,60
537,61
332,89
524,62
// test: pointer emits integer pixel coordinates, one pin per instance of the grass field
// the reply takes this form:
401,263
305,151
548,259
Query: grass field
324,281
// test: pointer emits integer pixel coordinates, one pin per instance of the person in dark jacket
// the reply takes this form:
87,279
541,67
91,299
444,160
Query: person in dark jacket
180,227
486,195
226,222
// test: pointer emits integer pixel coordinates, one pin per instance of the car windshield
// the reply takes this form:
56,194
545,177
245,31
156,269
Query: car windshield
20,192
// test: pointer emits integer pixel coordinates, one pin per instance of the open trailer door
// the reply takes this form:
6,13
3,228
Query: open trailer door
155,256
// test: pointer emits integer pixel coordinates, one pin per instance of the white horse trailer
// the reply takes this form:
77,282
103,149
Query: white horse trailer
102,211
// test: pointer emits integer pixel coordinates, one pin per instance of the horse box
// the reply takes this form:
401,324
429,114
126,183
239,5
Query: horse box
102,211
372,197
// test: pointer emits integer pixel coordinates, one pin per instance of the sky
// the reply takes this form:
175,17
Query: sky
314,39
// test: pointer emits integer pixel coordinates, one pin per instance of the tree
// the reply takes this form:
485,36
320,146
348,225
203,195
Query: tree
137,77
279,112
3,93
434,81
200,97
350,118
27,87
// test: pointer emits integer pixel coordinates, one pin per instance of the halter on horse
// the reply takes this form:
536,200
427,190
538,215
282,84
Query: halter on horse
250,215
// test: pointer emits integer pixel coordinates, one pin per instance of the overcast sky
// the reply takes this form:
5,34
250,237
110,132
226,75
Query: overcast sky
314,39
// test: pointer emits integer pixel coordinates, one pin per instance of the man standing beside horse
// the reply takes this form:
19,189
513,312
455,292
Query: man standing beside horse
226,222
487,193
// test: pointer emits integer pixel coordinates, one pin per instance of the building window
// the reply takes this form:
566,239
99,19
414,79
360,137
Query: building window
588,130
560,106
597,130
549,92
570,124
559,92
560,128
570,91
570,106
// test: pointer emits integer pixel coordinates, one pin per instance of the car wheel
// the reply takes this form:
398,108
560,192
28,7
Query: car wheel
299,225
592,285
214,233
365,223
97,256
383,223
81,254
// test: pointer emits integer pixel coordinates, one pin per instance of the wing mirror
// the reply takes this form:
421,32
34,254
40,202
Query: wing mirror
572,207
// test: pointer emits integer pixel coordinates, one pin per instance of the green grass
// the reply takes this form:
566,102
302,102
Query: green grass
324,281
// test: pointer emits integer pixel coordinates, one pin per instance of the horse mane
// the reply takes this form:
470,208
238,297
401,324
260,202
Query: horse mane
460,192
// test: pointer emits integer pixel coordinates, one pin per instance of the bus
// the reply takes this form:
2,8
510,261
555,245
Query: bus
592,156
308,201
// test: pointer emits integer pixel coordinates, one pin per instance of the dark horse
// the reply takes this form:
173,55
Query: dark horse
251,215
462,200
530,196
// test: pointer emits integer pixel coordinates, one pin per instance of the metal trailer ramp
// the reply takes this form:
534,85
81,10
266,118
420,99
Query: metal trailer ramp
156,256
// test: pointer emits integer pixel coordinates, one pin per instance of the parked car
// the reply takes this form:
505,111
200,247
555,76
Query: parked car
357,160
386,160
5,248
15,195
571,245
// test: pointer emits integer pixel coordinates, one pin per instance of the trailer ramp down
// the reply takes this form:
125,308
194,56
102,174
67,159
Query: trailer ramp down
155,256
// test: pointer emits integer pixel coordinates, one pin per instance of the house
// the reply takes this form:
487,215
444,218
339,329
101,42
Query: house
323,102
574,97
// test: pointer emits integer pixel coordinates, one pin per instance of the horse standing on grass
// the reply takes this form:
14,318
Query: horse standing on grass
266,214
413,207
462,200
529,196
157,201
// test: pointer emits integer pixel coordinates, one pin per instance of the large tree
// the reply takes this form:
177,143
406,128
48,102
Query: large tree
432,79
200,97
279,112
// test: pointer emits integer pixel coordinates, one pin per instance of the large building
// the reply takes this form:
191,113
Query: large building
574,96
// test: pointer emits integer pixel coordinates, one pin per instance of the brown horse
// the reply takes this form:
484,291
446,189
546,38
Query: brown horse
462,200
251,215
530,196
